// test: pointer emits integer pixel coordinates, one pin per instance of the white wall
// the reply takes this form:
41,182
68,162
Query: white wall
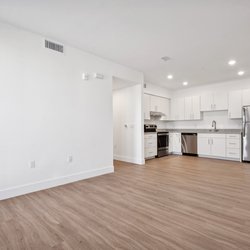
49,113
221,117
128,122
153,89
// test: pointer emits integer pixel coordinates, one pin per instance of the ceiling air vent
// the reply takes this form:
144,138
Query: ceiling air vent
53,46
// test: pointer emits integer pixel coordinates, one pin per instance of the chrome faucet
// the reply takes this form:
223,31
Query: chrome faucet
214,124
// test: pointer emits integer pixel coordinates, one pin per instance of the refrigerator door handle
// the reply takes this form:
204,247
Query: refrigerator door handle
244,121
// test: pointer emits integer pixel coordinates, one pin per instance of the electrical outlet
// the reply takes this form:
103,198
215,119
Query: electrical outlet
70,159
32,164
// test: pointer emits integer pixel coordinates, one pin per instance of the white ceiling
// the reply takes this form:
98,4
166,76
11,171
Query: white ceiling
199,35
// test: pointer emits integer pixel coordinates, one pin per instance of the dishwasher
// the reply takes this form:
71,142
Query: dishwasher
189,144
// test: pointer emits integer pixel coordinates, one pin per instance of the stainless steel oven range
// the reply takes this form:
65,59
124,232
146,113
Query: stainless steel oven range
162,144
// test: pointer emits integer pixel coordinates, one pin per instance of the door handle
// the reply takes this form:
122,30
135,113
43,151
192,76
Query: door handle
244,121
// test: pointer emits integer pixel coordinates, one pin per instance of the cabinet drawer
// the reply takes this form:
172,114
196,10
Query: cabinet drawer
150,152
150,136
149,143
233,143
233,153
233,136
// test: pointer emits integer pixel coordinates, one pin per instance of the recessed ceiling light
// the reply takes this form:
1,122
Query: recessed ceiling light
185,83
231,62
170,76
241,73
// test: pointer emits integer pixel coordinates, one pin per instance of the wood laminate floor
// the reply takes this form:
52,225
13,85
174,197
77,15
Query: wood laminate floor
175,202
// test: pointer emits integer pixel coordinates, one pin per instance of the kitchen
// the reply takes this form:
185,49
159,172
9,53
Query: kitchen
204,121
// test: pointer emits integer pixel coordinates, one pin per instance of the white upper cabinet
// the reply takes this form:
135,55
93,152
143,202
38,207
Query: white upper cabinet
220,101
188,108
165,108
214,101
235,104
177,109
196,107
207,102
156,104
192,108
146,106
245,97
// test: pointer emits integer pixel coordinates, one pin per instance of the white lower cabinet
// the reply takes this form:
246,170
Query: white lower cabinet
175,143
233,146
218,146
150,145
213,145
227,146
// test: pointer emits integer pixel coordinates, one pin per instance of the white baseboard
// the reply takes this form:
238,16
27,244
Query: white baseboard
49,183
129,159
219,158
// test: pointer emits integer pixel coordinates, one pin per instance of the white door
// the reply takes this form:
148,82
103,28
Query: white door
234,104
196,112
204,146
146,107
220,101
188,108
245,97
206,102
218,147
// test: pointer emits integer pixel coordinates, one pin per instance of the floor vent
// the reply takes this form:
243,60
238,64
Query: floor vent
53,46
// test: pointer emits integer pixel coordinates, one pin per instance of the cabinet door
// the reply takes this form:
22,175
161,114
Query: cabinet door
174,109
218,147
245,97
170,148
207,102
234,104
204,146
154,103
188,108
177,142
177,109
196,112
181,108
164,108
220,101
146,107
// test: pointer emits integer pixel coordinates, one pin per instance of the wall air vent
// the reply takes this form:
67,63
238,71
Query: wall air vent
53,46
145,85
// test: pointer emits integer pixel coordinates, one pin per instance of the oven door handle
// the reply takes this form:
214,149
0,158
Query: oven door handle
162,134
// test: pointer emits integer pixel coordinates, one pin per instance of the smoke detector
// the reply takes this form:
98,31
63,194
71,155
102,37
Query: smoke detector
165,58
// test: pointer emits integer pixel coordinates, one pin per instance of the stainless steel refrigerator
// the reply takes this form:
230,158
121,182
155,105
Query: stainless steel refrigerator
246,134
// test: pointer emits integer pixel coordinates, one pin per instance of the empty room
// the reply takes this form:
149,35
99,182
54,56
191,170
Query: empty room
125,124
